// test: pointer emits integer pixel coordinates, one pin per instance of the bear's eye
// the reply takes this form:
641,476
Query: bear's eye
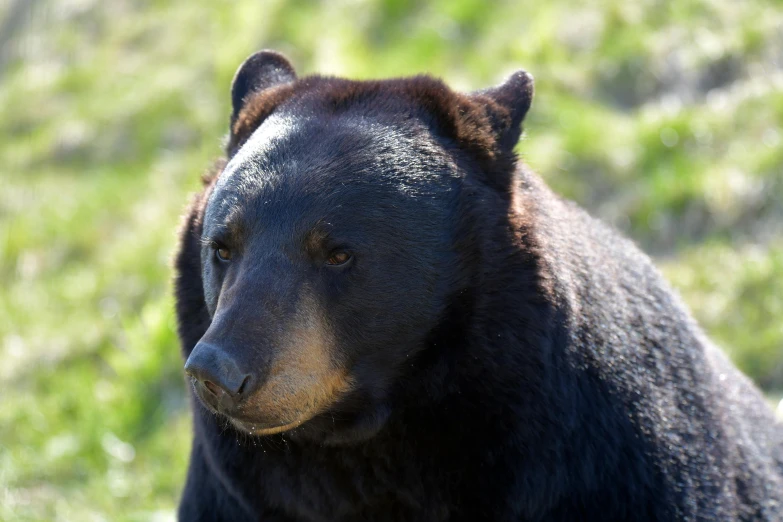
221,252
338,258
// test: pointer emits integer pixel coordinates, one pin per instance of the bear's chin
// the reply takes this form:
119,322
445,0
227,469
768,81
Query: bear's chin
323,428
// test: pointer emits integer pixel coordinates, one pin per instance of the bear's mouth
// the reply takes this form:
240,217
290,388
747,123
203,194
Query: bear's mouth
232,414
253,428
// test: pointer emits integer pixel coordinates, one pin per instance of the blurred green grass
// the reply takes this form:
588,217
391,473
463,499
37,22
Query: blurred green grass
665,119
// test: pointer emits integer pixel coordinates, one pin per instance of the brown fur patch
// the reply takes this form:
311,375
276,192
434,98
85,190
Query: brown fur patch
213,172
257,108
305,379
473,122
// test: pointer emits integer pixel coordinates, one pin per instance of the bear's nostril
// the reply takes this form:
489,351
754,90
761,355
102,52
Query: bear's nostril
244,385
214,388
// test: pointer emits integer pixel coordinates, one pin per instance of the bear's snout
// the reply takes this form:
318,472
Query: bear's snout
266,368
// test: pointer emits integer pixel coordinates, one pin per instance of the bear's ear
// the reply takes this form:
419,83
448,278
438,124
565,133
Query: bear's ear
260,71
506,106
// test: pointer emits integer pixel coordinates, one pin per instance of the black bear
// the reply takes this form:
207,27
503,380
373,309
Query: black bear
386,316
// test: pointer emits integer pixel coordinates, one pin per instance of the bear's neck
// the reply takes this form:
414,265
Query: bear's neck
504,321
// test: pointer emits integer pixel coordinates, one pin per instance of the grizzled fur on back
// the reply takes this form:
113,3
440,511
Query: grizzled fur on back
534,365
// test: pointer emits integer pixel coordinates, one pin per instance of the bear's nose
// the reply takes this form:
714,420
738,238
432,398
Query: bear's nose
219,374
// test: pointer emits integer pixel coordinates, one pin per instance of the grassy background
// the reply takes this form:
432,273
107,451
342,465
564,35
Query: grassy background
664,118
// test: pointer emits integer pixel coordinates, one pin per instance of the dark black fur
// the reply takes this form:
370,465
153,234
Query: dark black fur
512,358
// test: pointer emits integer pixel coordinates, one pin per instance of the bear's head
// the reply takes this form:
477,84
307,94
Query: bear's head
336,240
